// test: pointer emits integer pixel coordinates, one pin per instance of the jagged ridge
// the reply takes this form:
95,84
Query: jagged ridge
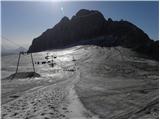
91,24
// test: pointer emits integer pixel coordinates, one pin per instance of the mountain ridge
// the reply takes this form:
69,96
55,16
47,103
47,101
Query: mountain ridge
90,24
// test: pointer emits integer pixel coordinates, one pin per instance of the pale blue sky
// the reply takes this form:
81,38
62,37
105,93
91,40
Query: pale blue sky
23,21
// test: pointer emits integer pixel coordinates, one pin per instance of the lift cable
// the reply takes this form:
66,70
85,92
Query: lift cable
11,41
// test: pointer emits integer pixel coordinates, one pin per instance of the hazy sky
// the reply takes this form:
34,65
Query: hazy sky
23,21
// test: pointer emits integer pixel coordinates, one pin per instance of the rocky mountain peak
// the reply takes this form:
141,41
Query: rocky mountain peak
64,19
83,12
90,24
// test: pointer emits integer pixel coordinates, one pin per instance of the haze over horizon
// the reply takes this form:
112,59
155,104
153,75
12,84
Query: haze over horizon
24,21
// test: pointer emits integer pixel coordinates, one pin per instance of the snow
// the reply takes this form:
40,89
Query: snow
98,83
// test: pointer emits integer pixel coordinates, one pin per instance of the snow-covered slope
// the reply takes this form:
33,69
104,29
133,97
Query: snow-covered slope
86,82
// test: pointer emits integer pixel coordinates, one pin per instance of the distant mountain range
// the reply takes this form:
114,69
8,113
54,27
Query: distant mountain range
90,27
12,51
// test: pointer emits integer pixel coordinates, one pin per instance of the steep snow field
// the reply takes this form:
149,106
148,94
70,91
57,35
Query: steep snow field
86,82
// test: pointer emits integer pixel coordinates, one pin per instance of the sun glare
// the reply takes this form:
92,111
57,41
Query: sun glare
62,10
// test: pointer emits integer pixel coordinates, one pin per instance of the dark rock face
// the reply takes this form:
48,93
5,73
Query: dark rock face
84,25
87,25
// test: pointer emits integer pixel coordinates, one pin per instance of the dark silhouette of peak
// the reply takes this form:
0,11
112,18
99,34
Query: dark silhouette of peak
83,12
90,27
64,20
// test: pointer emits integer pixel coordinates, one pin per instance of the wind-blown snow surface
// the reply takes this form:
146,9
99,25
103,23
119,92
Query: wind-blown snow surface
86,82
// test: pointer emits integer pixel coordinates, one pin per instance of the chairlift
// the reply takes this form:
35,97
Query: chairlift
20,74
49,60
24,53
